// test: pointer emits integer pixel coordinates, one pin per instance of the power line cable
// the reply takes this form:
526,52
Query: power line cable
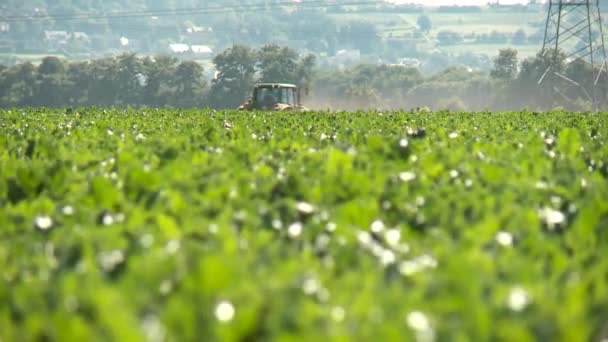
190,11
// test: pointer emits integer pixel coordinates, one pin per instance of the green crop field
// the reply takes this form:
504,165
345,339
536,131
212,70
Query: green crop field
173,225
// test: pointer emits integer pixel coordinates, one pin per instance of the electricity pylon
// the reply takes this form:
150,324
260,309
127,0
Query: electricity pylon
574,32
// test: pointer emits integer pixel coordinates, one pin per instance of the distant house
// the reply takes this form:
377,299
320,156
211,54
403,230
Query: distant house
179,48
348,55
201,50
410,62
199,29
5,27
81,36
57,37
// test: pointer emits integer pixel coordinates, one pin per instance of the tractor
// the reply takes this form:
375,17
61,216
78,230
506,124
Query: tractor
274,96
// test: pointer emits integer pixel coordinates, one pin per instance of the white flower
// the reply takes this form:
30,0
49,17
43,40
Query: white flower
294,230
172,246
421,325
165,287
387,257
418,321
276,224
392,237
453,135
518,299
305,208
310,286
107,219
224,311
43,222
146,240
413,266
109,260
331,227
407,176
153,329
504,239
403,143
364,238
67,210
140,137
409,267
552,217
427,261
377,227
338,313
454,173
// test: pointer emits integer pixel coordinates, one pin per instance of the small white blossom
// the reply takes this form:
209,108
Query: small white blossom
387,257
295,230
224,311
305,208
552,217
109,260
107,220
518,299
409,267
310,286
67,210
364,238
504,239
377,227
338,313
172,246
392,237
418,321
277,224
407,176
146,240
421,325
453,135
43,222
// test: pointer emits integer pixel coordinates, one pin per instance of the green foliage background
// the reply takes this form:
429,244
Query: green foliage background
177,211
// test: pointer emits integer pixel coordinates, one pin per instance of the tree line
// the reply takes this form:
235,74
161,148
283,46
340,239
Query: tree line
161,81
541,82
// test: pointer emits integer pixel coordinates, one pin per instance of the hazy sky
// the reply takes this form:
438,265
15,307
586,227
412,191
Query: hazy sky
457,2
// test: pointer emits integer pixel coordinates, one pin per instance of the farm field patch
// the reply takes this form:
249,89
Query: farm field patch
170,224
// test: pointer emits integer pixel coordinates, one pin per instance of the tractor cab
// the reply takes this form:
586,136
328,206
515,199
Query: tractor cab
274,96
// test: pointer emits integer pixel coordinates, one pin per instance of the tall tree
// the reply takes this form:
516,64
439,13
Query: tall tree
49,88
159,72
277,64
505,65
424,23
235,76
190,84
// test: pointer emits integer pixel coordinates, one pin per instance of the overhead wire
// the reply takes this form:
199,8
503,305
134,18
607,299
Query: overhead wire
243,8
